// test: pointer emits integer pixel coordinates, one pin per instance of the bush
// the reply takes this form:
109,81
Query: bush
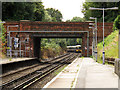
51,48
3,40
116,24
111,46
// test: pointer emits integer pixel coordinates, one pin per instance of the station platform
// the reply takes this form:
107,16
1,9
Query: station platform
85,73
7,60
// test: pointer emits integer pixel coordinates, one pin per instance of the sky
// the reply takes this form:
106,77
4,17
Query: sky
68,8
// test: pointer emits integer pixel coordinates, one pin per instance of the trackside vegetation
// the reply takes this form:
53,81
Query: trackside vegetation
111,43
3,40
111,46
52,47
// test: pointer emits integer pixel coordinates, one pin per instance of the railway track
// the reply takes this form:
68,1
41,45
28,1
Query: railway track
27,80
14,72
18,73
56,59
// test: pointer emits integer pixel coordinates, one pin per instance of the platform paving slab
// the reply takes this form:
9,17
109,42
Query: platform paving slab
95,75
85,74
66,78
7,60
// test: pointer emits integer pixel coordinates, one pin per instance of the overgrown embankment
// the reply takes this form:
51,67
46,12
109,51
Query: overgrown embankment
111,46
52,47
51,50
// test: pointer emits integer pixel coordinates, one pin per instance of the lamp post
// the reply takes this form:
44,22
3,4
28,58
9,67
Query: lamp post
103,9
93,43
95,25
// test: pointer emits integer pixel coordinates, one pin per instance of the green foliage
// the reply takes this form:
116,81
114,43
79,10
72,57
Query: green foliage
57,46
55,14
110,15
111,46
53,43
15,11
63,43
39,11
91,56
47,17
99,60
76,19
52,46
82,57
2,38
74,41
116,24
3,33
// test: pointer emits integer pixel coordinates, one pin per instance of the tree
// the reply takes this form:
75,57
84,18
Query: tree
76,19
55,14
110,15
47,17
15,11
63,43
39,11
116,24
79,41
73,41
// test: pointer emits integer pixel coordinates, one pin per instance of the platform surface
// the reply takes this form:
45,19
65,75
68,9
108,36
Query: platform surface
7,60
85,73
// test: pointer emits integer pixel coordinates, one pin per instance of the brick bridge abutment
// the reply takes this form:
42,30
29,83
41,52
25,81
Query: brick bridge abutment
31,32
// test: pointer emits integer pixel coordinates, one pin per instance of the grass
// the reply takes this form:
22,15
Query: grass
59,70
111,47
82,57
72,83
99,60
78,65
10,59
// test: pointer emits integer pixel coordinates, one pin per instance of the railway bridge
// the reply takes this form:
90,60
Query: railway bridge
29,34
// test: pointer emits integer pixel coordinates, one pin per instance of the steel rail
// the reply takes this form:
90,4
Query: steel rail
20,78
28,83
